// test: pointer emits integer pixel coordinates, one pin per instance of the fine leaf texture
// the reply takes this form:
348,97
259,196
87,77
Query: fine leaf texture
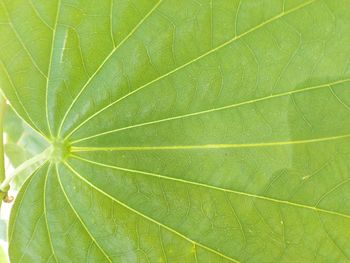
197,130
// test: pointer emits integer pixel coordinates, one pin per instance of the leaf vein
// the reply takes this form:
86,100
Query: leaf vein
79,218
147,217
45,214
261,197
23,45
209,146
50,65
104,62
192,61
288,93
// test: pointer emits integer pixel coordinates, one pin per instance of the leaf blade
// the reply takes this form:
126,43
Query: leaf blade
198,131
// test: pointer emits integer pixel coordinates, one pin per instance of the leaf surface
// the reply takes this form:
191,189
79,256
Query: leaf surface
182,131
22,143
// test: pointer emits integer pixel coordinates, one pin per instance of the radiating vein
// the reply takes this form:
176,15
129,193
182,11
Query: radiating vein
208,146
104,62
32,124
79,219
32,235
239,104
23,45
29,180
45,213
50,65
193,60
261,197
26,184
147,217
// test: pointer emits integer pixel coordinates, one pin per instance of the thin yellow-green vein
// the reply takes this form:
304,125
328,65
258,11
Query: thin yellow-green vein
22,43
19,201
50,66
147,217
191,62
326,85
32,123
104,62
209,146
79,218
261,197
45,213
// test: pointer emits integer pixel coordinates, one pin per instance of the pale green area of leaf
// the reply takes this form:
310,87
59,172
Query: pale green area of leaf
200,131
3,230
13,126
3,256
22,143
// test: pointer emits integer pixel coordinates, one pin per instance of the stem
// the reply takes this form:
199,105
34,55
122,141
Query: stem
2,115
2,161
36,159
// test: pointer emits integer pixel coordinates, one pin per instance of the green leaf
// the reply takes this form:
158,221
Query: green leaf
3,231
181,131
22,143
18,155
13,126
